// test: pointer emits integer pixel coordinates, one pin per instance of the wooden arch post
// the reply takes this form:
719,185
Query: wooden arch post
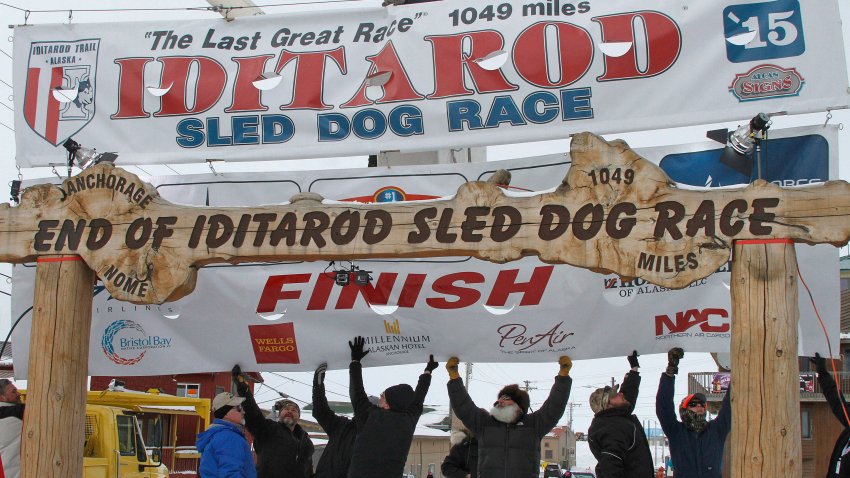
614,212
765,398
54,426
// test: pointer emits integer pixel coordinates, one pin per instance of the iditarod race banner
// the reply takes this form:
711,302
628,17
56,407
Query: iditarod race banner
416,77
293,316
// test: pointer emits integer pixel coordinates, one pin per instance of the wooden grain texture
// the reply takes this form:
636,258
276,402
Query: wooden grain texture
765,373
613,212
53,434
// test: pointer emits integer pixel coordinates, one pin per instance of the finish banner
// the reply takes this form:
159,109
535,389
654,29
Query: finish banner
416,77
293,316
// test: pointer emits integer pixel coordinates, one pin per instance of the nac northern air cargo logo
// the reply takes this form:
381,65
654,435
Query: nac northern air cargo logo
126,343
60,87
693,323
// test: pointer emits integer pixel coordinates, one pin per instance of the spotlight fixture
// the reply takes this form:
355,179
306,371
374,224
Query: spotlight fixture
362,277
85,157
342,277
15,190
741,144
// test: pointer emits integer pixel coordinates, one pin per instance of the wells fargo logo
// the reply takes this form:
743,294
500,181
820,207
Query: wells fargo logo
274,343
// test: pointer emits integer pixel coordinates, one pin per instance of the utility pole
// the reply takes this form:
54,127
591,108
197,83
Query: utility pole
612,382
468,374
528,386
572,405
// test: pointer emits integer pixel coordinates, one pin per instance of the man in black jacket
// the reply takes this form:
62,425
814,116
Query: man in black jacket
341,432
508,436
615,436
384,438
839,461
462,460
284,449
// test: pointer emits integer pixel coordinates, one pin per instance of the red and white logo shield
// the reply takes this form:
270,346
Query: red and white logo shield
60,89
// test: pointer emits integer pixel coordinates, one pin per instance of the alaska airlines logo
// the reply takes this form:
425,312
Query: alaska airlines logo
126,343
390,194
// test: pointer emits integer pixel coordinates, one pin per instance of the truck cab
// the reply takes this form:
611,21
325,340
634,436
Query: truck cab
115,448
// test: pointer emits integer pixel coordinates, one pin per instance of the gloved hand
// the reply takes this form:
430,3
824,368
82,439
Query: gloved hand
392,2
451,367
357,352
431,365
820,363
319,375
239,379
633,360
566,364
673,356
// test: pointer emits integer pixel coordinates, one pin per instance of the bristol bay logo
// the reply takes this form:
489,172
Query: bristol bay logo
766,81
60,87
126,343
518,339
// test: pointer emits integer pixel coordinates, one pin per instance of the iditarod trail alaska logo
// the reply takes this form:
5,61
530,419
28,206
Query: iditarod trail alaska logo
60,88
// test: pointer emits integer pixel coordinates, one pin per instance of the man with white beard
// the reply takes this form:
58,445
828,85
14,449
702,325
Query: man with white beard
508,436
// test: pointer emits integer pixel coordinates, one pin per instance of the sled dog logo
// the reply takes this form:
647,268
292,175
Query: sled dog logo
60,88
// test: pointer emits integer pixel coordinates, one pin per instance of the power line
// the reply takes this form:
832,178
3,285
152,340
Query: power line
4,52
303,383
171,9
7,84
7,126
7,106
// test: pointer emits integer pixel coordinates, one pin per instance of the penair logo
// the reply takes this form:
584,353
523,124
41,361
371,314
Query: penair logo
766,81
693,323
390,194
274,343
394,342
518,339
126,343
619,292
60,88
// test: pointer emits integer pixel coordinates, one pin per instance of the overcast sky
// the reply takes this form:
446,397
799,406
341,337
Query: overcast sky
487,378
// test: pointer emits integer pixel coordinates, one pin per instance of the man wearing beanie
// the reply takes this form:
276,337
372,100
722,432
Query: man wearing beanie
616,436
696,446
508,436
224,451
284,449
385,431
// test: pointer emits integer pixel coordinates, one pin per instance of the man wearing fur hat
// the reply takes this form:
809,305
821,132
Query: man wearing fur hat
284,449
696,446
384,431
616,436
508,436
462,460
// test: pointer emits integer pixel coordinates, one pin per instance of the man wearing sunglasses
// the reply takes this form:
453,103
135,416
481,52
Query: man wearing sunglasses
224,451
696,445
616,436
508,435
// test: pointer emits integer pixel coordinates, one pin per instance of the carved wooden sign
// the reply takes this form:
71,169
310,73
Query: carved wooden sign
614,212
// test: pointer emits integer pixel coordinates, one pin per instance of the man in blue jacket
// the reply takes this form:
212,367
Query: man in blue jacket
696,445
224,451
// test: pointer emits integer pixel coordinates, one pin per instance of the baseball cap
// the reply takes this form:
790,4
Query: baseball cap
226,399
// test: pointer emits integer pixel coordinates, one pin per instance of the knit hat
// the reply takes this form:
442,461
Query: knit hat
601,396
518,395
399,397
281,404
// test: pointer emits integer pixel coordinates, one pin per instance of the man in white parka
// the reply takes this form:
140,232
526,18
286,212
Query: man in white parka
11,423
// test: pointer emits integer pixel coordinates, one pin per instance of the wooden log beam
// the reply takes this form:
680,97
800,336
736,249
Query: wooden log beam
613,212
765,401
53,434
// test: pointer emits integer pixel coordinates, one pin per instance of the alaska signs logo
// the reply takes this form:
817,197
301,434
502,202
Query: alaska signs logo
614,212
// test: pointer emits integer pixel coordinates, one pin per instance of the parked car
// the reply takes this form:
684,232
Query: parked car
582,474
552,470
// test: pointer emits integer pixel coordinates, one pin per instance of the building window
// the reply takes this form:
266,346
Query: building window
191,390
219,389
806,423
546,444
548,454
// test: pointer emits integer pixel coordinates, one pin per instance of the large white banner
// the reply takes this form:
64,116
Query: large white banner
417,77
292,316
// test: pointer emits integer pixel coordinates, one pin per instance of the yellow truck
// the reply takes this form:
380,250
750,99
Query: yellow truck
118,423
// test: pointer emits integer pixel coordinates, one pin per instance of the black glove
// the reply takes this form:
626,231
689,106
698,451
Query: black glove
319,375
432,364
633,359
673,356
820,363
357,352
239,380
